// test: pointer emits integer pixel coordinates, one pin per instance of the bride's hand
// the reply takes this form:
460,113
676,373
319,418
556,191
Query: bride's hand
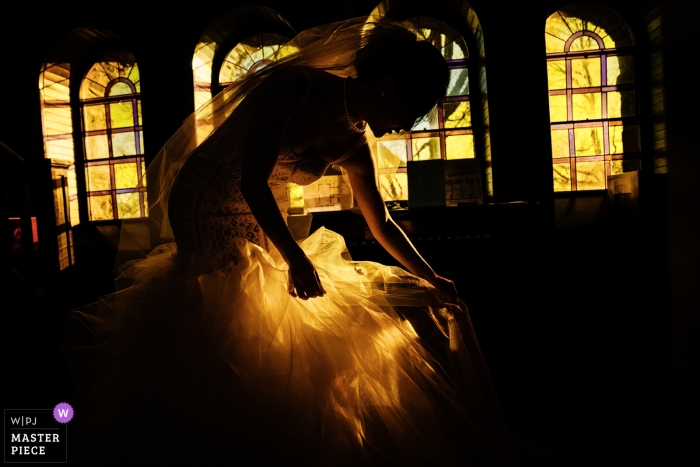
303,279
446,289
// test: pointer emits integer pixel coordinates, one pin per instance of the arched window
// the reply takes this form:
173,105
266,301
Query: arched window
110,102
251,53
233,44
592,96
446,132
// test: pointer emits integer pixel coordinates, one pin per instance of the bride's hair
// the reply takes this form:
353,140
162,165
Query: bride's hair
417,66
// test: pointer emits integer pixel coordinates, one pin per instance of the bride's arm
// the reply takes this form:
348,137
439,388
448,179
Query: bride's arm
362,175
276,105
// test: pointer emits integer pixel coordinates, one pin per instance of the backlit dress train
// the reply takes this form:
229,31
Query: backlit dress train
206,327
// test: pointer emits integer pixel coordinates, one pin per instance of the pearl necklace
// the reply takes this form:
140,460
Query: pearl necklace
347,114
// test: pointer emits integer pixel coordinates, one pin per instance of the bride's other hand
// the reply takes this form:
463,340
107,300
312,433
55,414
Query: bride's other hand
446,289
304,282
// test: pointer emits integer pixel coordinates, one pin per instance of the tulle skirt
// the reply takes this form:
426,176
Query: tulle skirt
211,363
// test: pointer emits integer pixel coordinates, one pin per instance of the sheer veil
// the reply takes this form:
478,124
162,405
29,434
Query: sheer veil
331,47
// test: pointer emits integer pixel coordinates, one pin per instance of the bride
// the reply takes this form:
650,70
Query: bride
231,342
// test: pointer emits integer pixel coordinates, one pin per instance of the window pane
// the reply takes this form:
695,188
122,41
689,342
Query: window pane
587,106
584,43
426,148
557,108
98,178
589,141
391,154
459,146
100,207
620,70
119,89
95,118
60,149
125,175
121,114
556,74
560,143
138,103
96,147
457,114
562,177
590,175
123,144
428,121
128,205
623,138
57,121
459,82
621,104
393,187
585,72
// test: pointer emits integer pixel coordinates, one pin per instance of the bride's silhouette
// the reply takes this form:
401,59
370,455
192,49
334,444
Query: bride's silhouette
233,341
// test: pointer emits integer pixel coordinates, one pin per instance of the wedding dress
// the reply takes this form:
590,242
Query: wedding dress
204,354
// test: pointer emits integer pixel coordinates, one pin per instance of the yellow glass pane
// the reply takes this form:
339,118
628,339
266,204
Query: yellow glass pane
57,121
585,72
128,205
457,114
459,147
138,106
587,106
560,143
296,195
621,104
94,117
556,74
394,187
60,149
553,44
590,175
573,21
455,50
140,133
135,77
145,204
96,147
459,82
391,154
426,148
74,213
557,108
120,88
620,70
125,175
556,33
562,177
286,50
231,72
121,114
123,144
100,208
588,141
428,121
584,43
623,139
97,178
616,168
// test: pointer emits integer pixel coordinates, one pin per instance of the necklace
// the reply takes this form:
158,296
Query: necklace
347,114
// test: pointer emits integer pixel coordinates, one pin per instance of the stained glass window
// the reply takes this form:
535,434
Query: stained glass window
592,96
110,96
446,131
249,54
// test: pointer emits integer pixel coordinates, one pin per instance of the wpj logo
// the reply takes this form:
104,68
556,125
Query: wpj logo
37,435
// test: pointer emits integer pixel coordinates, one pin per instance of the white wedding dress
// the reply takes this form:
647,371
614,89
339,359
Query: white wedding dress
204,356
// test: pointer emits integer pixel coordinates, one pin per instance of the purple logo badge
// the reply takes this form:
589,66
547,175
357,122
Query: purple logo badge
63,412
